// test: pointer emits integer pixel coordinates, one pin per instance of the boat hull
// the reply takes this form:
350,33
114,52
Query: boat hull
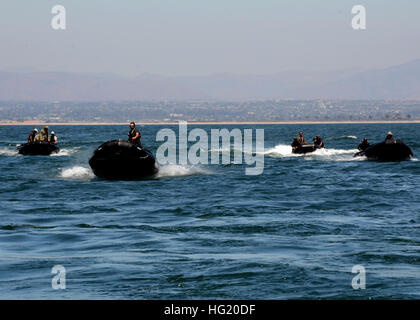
38,149
122,160
383,151
306,148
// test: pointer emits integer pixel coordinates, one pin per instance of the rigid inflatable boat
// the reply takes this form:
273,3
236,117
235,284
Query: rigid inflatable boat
305,148
122,160
38,148
388,151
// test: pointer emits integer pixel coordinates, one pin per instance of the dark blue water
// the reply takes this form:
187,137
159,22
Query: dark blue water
196,232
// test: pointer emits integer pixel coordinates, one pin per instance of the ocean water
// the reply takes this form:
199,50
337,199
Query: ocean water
210,231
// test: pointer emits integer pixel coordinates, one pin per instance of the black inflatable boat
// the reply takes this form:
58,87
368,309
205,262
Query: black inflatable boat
388,151
122,160
305,148
38,149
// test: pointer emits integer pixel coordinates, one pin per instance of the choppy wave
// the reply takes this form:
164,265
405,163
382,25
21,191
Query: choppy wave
77,173
176,170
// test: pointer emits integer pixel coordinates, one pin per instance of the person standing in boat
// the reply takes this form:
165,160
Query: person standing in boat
301,139
43,135
32,135
390,138
134,135
53,139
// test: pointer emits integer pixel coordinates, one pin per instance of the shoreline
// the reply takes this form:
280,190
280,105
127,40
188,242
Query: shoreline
39,123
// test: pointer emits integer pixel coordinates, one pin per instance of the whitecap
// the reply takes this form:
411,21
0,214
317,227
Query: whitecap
341,138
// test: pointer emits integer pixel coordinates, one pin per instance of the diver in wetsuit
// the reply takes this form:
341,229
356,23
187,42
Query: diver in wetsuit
318,142
390,138
32,135
134,135
363,145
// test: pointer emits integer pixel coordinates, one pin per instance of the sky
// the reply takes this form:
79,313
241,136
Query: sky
197,37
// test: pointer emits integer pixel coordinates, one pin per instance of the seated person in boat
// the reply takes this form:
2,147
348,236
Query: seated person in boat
43,135
134,134
363,145
318,142
32,135
53,139
295,144
390,138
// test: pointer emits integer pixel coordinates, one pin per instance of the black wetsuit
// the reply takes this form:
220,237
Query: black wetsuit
295,143
131,136
363,145
318,143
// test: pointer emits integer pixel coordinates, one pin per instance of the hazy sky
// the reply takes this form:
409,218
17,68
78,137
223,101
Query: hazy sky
196,37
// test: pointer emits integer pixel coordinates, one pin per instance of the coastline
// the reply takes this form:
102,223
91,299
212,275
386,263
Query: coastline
40,123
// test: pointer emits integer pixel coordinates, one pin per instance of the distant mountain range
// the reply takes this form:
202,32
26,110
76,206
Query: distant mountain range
398,82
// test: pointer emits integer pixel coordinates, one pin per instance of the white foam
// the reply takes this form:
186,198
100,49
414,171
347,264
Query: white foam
77,173
176,170
65,152
335,155
285,151
8,152
280,151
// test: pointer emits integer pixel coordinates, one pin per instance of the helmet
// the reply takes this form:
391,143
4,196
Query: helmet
36,130
52,132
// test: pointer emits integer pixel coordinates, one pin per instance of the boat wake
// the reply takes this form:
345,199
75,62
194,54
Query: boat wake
10,152
285,151
176,170
341,138
65,152
77,173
